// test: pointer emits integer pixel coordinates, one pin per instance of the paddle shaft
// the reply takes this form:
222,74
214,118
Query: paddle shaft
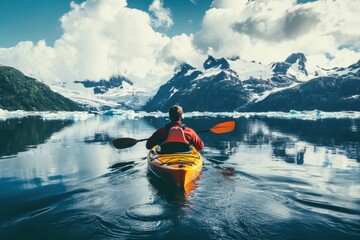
224,127
203,131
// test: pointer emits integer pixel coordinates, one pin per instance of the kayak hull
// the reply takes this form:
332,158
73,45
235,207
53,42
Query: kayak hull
178,168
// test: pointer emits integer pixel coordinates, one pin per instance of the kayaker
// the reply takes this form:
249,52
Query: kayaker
175,137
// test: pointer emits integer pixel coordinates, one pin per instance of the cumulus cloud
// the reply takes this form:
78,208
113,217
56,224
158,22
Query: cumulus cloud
271,30
290,26
180,49
161,16
105,37
100,38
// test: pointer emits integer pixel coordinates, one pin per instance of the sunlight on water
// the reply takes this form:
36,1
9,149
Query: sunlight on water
269,178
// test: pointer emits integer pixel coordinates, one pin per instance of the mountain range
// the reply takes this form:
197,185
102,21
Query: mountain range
117,92
228,84
239,85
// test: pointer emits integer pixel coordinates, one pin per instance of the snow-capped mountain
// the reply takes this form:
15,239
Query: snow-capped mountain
217,88
352,70
103,86
323,93
295,63
228,85
116,92
338,91
225,84
236,84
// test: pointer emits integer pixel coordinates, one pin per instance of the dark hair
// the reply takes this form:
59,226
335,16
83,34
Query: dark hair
175,113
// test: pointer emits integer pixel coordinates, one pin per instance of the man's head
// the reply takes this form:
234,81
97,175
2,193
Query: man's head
175,113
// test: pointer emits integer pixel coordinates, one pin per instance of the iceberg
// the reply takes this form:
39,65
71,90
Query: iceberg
46,115
131,114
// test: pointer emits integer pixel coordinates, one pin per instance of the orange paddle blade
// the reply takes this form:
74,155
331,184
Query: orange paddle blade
223,127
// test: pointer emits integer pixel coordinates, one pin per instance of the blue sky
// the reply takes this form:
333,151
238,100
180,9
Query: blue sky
187,15
39,19
30,20
145,40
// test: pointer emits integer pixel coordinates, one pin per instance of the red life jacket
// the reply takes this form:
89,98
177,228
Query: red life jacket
175,141
176,134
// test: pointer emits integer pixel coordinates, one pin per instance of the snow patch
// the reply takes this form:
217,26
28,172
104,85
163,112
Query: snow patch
172,91
188,73
246,70
209,73
267,93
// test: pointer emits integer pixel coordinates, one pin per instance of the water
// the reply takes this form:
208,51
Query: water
269,179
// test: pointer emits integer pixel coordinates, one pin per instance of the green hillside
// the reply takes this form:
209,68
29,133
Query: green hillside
20,92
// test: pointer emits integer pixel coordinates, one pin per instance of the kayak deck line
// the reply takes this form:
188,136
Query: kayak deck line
179,162
175,158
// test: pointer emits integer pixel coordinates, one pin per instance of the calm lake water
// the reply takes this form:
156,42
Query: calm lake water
269,179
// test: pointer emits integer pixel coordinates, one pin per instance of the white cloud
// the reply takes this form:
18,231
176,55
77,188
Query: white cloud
180,49
105,37
161,16
271,30
100,38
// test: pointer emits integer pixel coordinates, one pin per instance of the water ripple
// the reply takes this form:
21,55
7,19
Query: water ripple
150,212
324,205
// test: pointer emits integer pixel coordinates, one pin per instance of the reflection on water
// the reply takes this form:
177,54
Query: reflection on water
269,179
17,135
289,139
102,138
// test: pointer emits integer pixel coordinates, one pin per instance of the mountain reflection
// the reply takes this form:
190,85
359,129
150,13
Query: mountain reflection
284,148
288,138
102,138
337,135
17,135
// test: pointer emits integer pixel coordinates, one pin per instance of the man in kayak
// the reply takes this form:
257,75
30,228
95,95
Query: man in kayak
175,137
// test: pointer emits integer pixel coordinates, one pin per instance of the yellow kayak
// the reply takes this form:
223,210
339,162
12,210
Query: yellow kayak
179,168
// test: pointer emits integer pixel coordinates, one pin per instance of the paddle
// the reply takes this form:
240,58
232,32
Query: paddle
224,127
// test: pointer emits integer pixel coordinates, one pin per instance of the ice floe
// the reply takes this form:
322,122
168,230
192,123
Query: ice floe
131,114
46,115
